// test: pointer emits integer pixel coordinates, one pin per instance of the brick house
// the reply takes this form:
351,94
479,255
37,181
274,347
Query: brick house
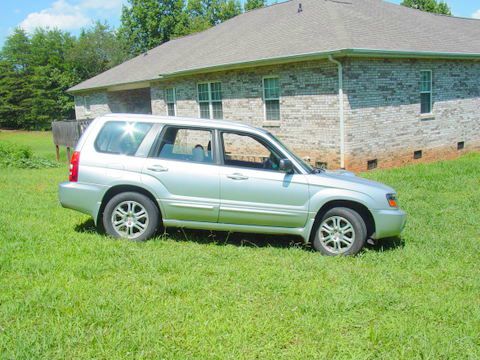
352,84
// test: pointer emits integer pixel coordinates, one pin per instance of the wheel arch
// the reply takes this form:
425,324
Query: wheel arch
118,189
361,209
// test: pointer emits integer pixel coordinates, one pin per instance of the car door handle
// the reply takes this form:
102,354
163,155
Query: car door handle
237,176
157,168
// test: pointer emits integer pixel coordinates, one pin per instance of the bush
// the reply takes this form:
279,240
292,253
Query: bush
17,156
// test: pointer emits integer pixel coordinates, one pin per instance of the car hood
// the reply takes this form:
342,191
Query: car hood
349,181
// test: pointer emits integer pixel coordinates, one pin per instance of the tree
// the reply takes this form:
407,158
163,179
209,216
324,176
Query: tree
212,12
149,23
96,50
254,4
34,76
52,75
15,79
428,5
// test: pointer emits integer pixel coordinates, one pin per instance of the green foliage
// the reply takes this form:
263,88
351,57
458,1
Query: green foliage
96,50
146,24
15,79
429,5
34,75
68,292
254,4
20,156
36,71
51,77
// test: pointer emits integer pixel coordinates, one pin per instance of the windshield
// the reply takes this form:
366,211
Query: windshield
308,168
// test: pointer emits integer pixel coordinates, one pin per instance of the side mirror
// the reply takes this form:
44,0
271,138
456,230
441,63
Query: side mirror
286,166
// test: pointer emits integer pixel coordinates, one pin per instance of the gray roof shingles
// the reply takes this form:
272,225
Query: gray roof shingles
280,31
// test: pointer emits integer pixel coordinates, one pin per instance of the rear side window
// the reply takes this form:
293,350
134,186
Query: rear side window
121,137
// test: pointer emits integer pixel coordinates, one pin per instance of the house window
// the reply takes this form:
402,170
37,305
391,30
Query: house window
426,92
171,101
210,100
86,104
271,97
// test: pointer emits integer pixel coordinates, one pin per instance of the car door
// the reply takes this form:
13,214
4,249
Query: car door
253,191
182,172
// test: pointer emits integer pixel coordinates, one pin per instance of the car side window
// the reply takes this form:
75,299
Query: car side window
246,151
121,137
185,144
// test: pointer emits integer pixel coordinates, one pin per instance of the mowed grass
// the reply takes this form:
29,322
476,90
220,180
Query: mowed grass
40,142
67,292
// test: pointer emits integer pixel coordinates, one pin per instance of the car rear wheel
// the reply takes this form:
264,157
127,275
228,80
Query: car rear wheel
341,231
132,216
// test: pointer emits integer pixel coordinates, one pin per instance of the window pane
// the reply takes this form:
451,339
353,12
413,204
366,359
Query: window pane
245,151
217,110
186,145
171,109
271,88
170,95
86,100
426,103
203,92
119,137
426,81
204,110
272,109
216,91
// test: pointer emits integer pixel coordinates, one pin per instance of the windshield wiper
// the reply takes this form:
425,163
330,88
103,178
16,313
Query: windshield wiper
317,170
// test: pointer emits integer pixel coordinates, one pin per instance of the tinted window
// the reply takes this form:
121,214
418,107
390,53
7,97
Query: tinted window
246,151
185,144
121,137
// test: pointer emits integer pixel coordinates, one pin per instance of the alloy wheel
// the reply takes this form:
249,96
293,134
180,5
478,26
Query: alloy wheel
337,234
130,219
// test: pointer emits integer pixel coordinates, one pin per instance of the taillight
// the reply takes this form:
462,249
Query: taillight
74,162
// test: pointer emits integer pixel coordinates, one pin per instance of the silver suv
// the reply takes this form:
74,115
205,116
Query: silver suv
136,173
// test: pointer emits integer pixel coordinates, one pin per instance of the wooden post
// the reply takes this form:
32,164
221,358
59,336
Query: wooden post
68,154
57,152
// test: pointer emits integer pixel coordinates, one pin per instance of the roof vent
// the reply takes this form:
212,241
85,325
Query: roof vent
299,8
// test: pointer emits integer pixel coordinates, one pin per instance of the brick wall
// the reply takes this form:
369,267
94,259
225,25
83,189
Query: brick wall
383,119
308,104
135,101
382,107
98,103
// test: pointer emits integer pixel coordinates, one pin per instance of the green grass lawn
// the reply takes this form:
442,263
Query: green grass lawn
67,292
40,142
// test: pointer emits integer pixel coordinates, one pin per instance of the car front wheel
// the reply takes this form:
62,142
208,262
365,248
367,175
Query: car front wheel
341,231
132,216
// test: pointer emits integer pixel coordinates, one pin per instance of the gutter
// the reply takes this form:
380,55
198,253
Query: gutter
341,110
371,53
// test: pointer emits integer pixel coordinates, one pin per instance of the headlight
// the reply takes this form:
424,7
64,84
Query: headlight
392,200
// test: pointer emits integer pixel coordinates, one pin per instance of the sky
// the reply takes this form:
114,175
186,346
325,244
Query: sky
72,15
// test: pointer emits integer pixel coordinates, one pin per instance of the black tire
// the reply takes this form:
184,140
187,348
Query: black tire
151,224
359,233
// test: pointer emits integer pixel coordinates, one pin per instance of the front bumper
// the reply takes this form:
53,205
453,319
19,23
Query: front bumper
85,198
389,223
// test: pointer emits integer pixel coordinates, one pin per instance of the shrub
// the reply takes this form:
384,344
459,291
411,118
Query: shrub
17,156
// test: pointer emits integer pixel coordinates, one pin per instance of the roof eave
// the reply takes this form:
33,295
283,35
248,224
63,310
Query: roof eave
371,53
412,54
374,53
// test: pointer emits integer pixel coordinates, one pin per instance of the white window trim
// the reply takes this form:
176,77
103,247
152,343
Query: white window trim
174,100
265,99
427,92
87,105
210,102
